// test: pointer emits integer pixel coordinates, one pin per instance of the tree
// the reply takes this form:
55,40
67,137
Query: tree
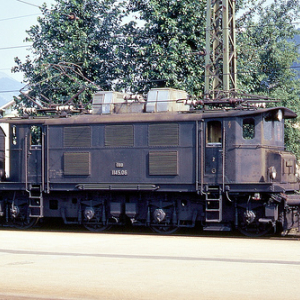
73,44
166,51
170,44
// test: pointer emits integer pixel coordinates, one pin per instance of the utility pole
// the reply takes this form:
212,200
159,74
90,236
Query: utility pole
220,59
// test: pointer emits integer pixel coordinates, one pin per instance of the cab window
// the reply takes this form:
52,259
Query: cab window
36,135
248,128
214,133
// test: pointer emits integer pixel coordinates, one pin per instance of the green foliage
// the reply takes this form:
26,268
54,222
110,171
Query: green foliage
170,41
265,48
80,34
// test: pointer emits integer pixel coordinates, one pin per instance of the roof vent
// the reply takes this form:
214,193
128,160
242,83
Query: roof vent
104,102
166,99
158,100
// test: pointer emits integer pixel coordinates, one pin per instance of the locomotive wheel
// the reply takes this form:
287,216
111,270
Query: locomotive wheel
96,226
255,230
164,229
25,223
22,219
249,224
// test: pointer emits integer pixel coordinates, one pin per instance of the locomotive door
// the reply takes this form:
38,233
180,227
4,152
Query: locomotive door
213,155
34,142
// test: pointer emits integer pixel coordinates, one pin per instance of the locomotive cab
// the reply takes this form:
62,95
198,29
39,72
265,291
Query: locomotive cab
255,149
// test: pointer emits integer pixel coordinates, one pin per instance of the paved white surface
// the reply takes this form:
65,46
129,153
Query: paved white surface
50,265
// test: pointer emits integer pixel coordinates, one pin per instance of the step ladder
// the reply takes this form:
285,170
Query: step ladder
213,205
36,202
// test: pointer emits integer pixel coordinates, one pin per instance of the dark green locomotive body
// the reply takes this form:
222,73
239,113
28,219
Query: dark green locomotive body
224,169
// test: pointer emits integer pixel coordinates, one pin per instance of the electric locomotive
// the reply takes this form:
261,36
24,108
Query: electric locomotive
153,163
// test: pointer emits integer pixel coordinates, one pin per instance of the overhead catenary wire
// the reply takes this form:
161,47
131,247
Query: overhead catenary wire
12,91
15,47
19,17
28,3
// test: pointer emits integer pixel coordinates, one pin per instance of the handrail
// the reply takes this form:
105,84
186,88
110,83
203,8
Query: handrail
202,155
47,158
26,161
223,158
43,162
197,155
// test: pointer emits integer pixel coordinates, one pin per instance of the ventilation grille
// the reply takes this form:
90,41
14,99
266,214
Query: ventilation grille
163,163
77,163
77,137
165,134
119,136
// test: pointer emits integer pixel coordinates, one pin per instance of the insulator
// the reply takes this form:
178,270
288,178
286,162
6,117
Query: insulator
138,98
29,110
65,108
260,105
191,102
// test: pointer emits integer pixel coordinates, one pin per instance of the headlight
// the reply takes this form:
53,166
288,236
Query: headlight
272,173
279,115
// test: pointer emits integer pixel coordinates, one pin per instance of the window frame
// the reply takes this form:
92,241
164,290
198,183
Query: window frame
248,132
213,133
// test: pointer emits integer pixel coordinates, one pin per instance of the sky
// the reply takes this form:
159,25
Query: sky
16,16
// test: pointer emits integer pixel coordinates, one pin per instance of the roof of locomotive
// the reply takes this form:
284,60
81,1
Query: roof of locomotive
148,117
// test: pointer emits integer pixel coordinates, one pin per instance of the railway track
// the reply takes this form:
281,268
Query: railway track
51,225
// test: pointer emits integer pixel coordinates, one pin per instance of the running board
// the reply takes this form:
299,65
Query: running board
217,228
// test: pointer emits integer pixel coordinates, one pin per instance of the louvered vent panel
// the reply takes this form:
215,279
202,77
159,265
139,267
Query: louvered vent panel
77,137
119,136
77,163
163,163
164,134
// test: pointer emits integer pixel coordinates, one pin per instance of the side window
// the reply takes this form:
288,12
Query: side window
35,135
214,133
248,129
